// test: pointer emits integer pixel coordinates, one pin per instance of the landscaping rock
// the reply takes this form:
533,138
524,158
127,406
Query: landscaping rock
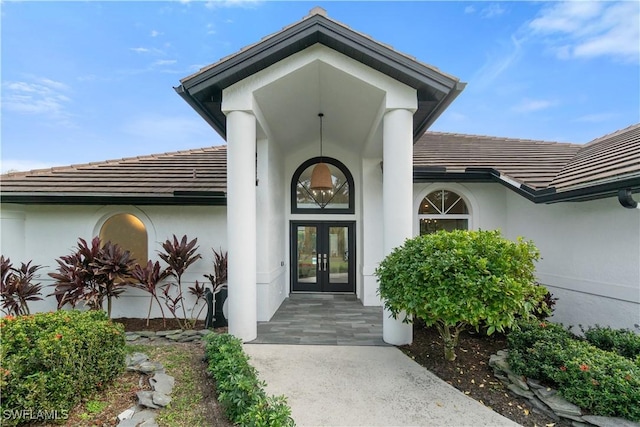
540,407
130,336
609,421
150,367
519,391
558,404
534,384
160,399
149,423
518,380
165,333
162,383
126,414
145,398
136,359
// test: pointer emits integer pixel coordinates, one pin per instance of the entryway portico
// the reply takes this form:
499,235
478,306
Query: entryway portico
265,101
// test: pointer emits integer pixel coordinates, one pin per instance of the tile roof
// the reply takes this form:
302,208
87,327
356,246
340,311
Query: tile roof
162,175
202,174
533,163
604,159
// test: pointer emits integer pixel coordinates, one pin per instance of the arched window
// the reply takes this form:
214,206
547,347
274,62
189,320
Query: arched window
340,199
443,210
129,232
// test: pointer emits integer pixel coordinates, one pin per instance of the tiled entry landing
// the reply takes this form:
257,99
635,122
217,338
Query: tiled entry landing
322,319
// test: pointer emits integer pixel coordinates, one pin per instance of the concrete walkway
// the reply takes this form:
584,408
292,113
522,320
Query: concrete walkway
363,386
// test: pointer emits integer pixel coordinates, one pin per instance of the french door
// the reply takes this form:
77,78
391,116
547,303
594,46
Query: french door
323,256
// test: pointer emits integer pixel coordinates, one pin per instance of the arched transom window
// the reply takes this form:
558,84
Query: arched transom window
443,210
340,199
128,232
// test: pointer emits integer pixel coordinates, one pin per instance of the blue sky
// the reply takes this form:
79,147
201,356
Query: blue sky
91,81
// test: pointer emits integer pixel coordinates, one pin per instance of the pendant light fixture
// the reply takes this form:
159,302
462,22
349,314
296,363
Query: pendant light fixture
321,176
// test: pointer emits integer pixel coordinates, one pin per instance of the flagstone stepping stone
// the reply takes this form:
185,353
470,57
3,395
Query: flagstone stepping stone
162,383
160,399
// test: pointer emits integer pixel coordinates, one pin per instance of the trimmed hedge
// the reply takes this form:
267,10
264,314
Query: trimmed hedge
602,382
239,390
50,361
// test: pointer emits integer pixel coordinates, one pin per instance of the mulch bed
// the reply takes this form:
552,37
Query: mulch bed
471,373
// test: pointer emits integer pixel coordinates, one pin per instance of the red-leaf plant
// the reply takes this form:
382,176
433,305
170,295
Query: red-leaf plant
219,277
179,255
91,274
16,288
147,278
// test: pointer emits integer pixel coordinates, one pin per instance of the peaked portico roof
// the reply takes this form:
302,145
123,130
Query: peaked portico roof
203,90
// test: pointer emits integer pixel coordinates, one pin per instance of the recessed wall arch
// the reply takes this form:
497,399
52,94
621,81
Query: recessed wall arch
465,194
126,226
340,200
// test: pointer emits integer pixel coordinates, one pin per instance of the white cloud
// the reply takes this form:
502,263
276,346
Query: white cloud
581,29
495,65
144,50
531,105
162,62
155,33
212,4
596,117
492,10
38,96
469,9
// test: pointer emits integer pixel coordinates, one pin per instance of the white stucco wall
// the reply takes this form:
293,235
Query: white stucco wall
272,264
590,257
49,232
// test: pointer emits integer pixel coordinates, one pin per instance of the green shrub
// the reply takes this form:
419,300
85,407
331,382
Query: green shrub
622,341
51,360
602,382
461,278
239,390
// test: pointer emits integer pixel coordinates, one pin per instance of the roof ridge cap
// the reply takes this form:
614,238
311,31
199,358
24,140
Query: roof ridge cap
76,166
612,134
502,138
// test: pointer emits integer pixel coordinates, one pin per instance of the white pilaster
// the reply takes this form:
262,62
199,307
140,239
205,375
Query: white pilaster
241,224
397,190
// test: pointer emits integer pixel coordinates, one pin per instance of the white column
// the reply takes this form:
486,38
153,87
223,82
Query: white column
397,191
241,224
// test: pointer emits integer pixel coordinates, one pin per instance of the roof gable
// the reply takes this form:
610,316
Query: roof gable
203,90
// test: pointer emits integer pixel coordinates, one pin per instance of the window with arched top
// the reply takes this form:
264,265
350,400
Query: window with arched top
339,199
128,232
443,210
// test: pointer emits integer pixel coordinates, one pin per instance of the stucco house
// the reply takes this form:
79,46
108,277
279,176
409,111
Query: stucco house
391,179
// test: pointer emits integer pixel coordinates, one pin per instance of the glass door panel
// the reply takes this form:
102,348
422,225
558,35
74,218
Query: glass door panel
322,257
339,254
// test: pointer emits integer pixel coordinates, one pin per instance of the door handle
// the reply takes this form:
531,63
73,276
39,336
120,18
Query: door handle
324,262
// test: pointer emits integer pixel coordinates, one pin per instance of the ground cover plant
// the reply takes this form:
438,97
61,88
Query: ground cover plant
51,360
240,392
461,279
603,382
